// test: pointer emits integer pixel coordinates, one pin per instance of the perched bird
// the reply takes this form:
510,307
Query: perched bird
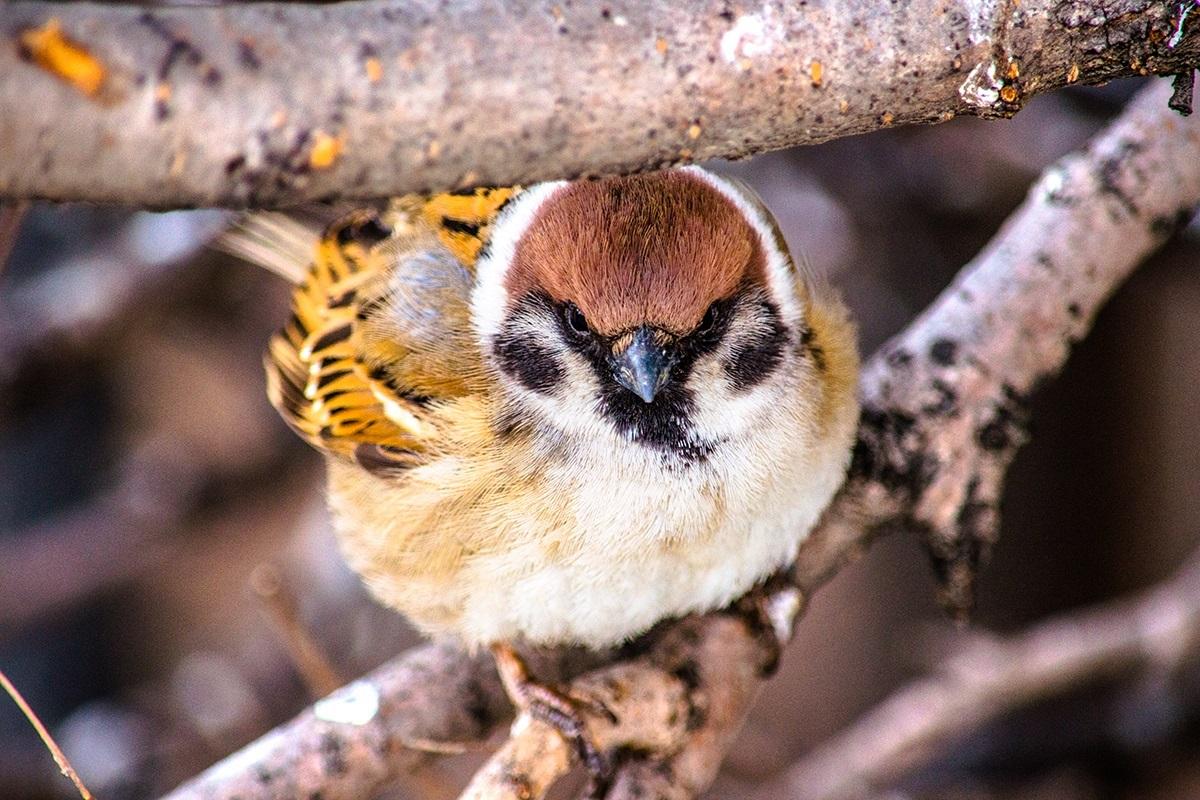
560,414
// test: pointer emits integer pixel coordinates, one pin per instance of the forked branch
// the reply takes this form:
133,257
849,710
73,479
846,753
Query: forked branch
943,409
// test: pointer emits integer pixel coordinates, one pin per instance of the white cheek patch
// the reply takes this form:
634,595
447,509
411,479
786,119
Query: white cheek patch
781,273
571,407
572,410
489,298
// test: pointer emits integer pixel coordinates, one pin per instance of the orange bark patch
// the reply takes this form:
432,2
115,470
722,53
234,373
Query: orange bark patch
66,60
325,151
374,69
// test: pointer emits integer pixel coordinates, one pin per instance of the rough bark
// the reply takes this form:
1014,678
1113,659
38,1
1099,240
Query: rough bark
275,104
353,742
943,408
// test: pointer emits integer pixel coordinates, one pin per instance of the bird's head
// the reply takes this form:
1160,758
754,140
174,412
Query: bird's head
662,304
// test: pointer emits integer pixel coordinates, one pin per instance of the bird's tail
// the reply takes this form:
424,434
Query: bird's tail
273,241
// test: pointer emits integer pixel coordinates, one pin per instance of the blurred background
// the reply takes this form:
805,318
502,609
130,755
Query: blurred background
163,536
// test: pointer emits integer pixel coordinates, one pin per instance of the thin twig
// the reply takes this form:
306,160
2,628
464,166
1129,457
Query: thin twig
60,758
310,659
989,677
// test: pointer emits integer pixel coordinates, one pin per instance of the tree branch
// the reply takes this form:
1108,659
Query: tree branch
943,401
941,422
275,104
649,704
989,677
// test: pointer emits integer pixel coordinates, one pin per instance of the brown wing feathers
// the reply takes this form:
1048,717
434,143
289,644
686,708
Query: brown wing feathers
463,219
314,378
316,375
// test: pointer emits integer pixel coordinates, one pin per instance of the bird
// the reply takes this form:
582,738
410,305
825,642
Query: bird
561,413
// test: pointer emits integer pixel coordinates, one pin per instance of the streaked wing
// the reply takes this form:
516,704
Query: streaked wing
380,336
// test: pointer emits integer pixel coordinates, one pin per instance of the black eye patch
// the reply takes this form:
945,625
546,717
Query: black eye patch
533,364
759,352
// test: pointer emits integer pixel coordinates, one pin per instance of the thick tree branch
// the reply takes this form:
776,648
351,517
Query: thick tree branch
274,104
645,699
941,423
352,743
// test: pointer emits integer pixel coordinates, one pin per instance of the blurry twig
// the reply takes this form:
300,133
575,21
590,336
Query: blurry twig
60,758
99,546
279,601
117,535
11,216
87,291
989,677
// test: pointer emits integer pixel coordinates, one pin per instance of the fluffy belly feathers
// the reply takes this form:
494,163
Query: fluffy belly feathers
586,557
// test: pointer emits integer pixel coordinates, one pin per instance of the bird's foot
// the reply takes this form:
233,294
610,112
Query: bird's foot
562,711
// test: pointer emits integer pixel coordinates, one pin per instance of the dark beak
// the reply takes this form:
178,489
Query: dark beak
644,366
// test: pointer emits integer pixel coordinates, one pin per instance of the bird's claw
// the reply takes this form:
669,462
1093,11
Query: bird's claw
562,711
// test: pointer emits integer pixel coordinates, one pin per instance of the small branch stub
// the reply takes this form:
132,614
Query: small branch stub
1181,92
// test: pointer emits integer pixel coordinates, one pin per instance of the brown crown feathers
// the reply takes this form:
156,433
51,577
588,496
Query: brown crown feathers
588,245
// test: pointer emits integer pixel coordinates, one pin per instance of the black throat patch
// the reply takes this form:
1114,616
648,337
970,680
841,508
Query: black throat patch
664,425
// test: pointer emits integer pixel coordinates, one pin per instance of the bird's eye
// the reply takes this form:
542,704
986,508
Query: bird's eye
575,319
709,321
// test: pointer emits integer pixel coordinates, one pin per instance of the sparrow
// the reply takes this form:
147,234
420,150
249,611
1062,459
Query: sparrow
558,414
